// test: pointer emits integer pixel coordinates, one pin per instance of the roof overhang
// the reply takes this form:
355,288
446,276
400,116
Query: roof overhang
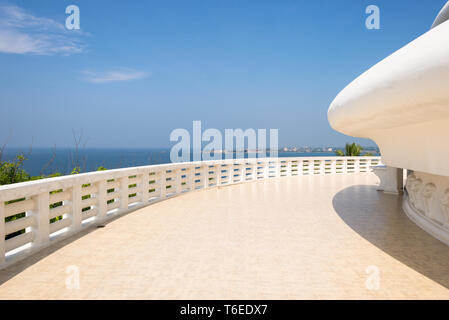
402,103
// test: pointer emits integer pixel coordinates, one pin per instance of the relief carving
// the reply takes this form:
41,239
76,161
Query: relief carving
413,186
445,208
428,193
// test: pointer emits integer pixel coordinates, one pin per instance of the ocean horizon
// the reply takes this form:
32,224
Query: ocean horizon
45,161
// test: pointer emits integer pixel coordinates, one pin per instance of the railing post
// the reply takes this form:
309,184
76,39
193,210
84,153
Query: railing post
178,173
191,178
124,193
241,167
42,234
278,167
322,167
205,173
299,169
145,187
254,171
333,166
357,165
266,169
76,207
288,168
2,232
162,183
245,171
217,174
231,173
102,200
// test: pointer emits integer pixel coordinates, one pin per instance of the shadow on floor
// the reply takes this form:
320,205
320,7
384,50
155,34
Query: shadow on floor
379,218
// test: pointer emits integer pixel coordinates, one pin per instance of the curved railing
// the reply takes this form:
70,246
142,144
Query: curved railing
38,213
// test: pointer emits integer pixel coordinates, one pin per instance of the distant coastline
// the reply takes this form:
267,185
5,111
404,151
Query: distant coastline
63,160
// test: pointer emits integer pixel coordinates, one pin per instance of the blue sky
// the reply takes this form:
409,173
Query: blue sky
139,69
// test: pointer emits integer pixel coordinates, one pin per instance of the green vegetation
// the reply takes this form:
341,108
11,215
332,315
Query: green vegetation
352,150
12,171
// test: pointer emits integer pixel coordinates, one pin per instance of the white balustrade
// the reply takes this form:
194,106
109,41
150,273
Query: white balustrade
38,213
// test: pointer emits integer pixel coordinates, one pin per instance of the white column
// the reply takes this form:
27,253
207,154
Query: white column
124,193
76,207
102,200
391,179
42,234
2,232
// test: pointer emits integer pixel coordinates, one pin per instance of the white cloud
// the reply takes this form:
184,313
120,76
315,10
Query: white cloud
24,33
123,74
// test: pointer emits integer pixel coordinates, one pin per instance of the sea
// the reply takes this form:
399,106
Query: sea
45,161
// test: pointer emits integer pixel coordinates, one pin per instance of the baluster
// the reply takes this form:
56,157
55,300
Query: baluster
178,180
192,178
41,215
288,172
205,175
333,166
254,170
2,232
265,170
102,200
124,193
218,174
163,183
300,168
278,166
144,187
240,172
246,166
76,207
231,173
322,167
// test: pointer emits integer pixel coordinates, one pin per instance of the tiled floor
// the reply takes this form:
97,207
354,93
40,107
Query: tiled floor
288,238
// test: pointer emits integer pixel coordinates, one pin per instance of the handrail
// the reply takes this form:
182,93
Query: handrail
48,210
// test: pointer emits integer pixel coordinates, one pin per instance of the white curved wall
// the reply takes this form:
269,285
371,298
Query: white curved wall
442,16
427,203
402,103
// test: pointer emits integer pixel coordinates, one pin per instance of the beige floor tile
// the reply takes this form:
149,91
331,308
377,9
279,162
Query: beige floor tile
287,238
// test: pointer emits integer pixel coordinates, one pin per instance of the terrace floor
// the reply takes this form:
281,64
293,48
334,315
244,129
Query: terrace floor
313,237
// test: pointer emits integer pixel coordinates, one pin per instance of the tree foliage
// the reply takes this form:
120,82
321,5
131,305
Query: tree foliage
352,150
12,171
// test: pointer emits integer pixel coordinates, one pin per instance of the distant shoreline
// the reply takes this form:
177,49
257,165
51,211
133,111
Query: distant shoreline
62,160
